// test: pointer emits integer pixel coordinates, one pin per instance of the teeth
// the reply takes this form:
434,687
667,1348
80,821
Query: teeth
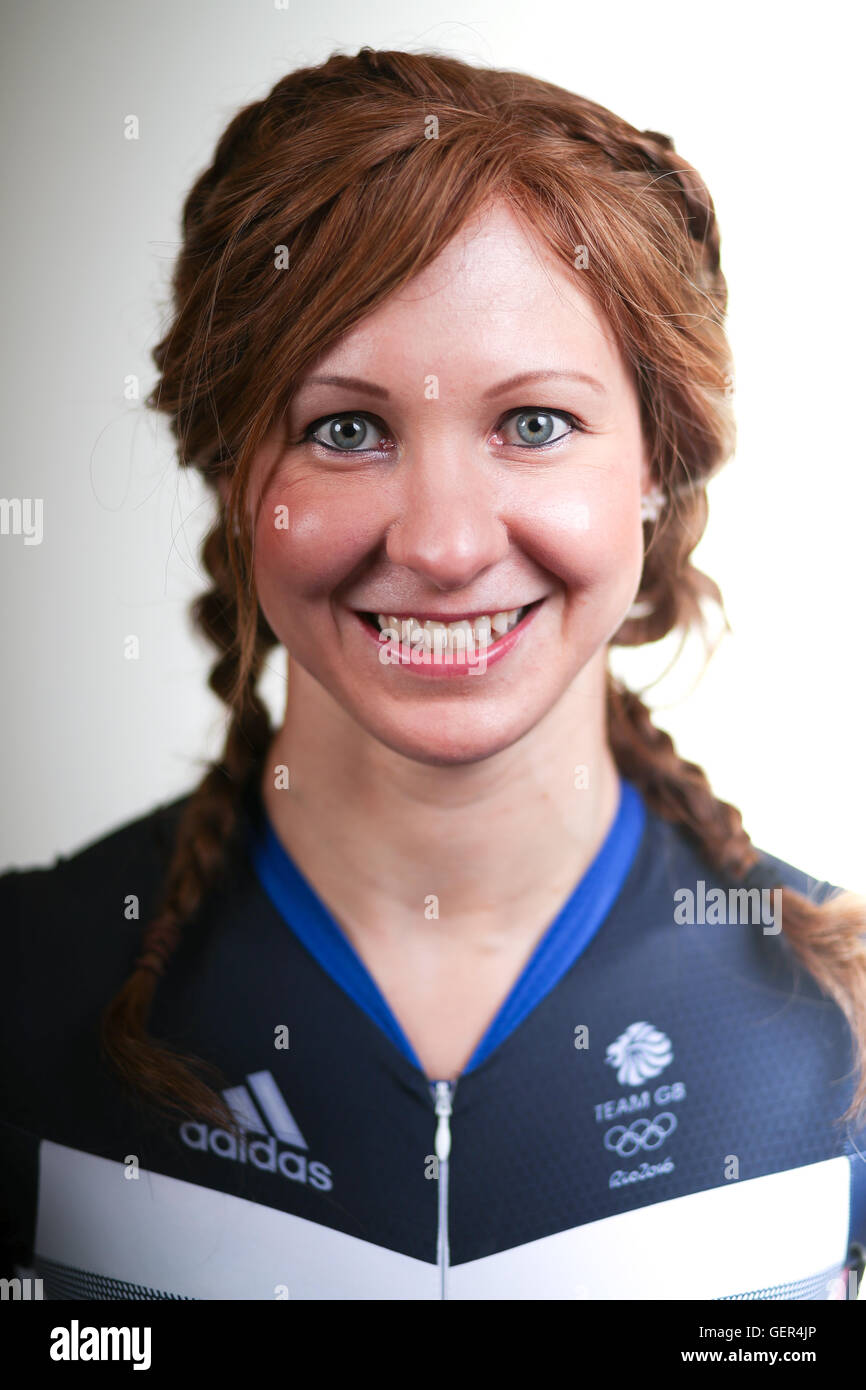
483,627
451,637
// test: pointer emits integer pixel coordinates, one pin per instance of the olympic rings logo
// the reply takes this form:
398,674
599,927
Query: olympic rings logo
642,1134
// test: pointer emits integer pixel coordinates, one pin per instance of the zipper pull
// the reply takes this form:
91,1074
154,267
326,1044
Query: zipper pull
443,1096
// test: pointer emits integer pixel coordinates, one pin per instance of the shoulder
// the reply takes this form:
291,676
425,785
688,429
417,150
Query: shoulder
73,926
681,862
138,845
710,919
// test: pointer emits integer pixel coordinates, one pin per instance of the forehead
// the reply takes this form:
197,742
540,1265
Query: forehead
495,300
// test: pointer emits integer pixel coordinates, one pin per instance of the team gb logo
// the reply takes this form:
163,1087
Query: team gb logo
641,1051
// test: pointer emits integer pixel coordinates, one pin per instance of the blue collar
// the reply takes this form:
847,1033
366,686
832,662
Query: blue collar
565,939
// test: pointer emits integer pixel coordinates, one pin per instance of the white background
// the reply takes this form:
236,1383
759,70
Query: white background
763,98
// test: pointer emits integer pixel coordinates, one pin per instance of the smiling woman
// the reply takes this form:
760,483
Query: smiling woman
448,345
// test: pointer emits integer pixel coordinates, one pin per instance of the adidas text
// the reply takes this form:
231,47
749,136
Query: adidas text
261,1153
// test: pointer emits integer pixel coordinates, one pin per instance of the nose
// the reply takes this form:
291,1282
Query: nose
448,527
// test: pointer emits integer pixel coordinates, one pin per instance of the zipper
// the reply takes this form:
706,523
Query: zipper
443,1097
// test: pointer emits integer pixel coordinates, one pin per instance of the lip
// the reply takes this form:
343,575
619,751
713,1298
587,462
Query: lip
451,669
467,614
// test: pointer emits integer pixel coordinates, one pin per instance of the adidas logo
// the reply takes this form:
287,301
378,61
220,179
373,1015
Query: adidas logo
261,1153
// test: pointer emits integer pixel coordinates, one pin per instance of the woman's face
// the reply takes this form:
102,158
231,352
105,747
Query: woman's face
452,492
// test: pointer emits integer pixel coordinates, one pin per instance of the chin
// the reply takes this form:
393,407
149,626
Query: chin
451,749
449,737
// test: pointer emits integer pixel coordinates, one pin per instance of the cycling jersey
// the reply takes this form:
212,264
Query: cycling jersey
652,1114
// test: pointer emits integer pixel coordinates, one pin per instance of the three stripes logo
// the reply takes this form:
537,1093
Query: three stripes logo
260,1110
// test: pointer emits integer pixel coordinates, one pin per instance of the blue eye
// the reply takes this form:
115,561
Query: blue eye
535,427
346,433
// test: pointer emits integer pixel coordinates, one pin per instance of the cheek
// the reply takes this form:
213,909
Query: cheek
588,534
310,538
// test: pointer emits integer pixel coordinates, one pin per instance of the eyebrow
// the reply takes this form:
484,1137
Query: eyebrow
356,383
544,374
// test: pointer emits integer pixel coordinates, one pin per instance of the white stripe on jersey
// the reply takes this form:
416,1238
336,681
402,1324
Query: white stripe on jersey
776,1232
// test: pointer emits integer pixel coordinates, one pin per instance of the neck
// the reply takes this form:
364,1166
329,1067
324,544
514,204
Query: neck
501,843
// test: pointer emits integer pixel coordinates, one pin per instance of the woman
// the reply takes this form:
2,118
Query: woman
460,983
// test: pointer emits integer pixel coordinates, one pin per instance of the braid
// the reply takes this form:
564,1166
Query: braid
677,790
203,842
658,154
827,938
237,136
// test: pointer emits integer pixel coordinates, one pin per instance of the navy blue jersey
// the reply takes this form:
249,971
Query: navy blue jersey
653,1114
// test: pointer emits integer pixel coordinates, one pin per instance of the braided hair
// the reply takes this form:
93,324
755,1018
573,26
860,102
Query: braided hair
322,199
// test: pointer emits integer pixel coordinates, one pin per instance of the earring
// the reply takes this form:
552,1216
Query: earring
651,504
